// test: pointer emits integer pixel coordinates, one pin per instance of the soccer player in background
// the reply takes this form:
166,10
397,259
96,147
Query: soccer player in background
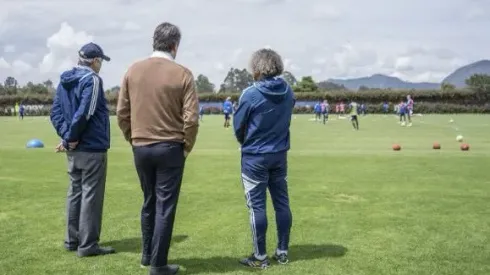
337,109
409,110
324,108
342,108
363,109
386,107
227,110
21,111
265,141
318,111
201,112
354,113
402,110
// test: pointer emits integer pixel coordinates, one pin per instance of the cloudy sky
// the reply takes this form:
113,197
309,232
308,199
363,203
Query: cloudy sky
417,40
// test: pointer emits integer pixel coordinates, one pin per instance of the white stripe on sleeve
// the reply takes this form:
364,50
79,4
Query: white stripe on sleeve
95,95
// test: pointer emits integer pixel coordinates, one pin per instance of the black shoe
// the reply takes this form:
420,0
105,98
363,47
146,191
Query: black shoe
71,249
145,261
99,252
281,258
165,270
255,263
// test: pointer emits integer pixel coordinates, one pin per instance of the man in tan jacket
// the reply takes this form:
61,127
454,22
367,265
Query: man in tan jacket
158,113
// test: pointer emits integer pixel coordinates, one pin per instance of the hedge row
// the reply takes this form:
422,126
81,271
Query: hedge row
376,96
422,107
465,97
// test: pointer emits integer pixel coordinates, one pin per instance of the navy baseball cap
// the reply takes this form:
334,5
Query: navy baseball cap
92,50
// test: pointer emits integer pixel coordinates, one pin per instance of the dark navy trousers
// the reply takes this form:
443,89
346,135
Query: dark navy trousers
259,173
160,168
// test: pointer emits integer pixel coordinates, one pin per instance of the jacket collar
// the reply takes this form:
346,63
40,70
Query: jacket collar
161,54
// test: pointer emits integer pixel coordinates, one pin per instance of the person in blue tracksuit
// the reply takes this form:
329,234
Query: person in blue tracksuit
21,111
227,110
261,125
201,112
81,119
318,111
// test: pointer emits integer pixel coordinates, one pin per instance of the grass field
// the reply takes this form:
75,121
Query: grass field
358,207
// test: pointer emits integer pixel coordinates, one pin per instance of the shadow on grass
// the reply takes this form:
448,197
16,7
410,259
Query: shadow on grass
134,244
229,264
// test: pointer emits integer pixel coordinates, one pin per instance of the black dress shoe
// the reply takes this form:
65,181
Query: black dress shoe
145,261
71,249
165,270
99,252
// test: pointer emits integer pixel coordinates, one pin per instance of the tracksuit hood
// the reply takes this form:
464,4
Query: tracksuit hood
274,89
72,77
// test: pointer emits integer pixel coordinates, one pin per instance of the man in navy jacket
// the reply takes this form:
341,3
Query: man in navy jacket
81,119
261,125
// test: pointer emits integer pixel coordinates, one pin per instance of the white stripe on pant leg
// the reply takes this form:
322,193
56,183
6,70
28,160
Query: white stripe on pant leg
249,185
252,225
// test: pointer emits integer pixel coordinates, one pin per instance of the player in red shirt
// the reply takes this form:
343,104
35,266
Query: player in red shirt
342,108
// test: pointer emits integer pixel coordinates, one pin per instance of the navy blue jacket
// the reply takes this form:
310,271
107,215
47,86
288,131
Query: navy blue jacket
263,117
80,112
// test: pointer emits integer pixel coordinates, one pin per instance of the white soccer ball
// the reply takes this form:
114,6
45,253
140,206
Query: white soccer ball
451,120
459,138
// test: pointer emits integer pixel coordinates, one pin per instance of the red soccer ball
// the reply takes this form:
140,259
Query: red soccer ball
465,147
436,146
396,147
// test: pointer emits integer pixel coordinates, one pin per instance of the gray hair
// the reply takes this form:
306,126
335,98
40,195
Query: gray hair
166,37
266,63
85,61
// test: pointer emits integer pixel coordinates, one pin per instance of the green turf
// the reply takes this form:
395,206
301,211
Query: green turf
358,207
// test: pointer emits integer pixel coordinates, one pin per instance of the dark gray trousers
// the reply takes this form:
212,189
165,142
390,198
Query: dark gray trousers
85,200
160,168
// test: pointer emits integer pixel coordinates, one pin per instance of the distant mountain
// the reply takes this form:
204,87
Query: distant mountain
458,77
383,82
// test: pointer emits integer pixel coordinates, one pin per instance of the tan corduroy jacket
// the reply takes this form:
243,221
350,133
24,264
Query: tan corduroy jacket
158,102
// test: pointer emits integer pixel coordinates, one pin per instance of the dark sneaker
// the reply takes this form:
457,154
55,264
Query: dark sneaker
281,258
255,263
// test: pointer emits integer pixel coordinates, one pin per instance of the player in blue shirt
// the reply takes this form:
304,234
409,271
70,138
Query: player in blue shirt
402,110
318,111
385,107
201,112
21,111
227,110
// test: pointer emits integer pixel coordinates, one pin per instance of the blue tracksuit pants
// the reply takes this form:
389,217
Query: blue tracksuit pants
259,173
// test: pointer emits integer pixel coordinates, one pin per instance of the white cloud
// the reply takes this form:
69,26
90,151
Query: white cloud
403,64
4,64
236,54
325,11
131,26
329,38
219,66
63,47
20,67
320,61
9,48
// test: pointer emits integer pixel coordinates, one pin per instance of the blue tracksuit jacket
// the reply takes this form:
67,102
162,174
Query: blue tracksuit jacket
80,112
263,117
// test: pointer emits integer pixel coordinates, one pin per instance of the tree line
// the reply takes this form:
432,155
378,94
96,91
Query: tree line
473,98
235,81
